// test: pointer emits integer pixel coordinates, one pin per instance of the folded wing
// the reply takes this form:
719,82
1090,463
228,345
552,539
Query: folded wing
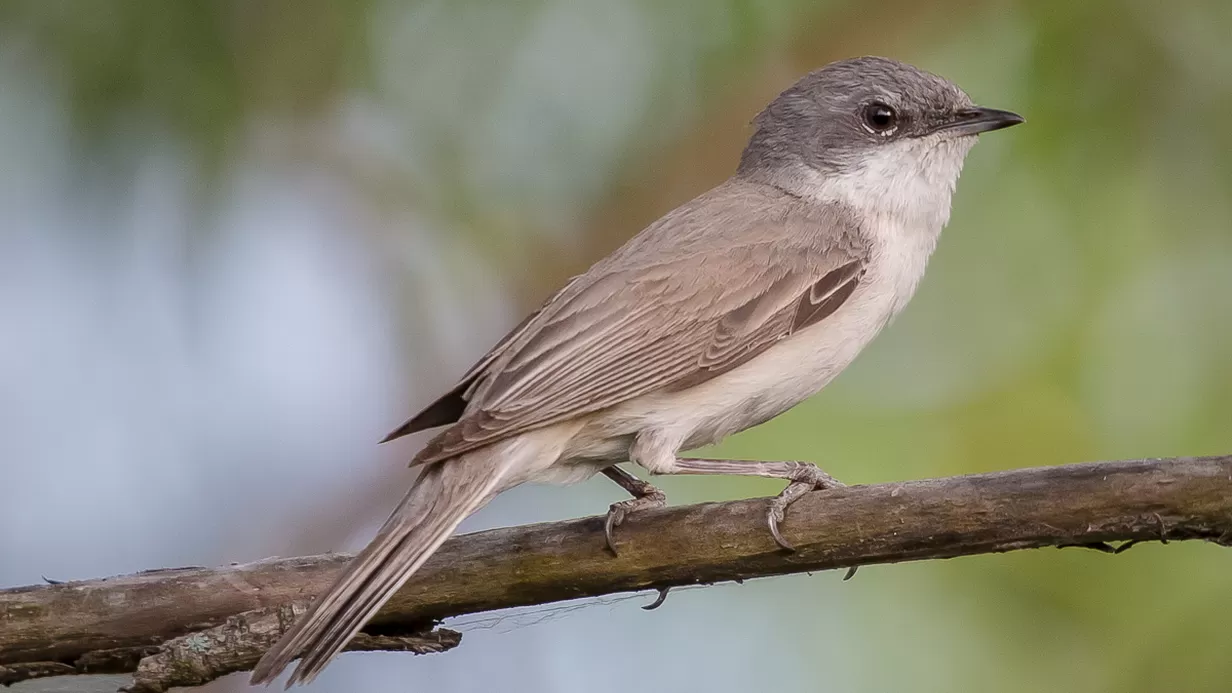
655,316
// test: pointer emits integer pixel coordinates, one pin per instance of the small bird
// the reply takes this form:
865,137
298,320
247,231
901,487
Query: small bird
723,314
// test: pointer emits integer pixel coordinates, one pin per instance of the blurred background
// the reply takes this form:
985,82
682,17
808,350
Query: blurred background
242,240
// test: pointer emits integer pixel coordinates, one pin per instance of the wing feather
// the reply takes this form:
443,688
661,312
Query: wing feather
688,299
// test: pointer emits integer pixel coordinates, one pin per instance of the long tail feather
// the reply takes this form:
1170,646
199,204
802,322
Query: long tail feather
443,495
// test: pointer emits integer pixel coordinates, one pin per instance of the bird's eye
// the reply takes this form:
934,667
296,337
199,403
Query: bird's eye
880,118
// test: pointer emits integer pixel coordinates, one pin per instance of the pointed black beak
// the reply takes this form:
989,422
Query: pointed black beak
973,121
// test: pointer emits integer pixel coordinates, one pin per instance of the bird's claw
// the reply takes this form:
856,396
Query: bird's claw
773,518
617,512
805,478
658,602
615,516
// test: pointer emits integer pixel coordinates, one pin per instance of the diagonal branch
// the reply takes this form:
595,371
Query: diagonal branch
117,624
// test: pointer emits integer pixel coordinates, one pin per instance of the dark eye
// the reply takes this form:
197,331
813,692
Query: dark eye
880,117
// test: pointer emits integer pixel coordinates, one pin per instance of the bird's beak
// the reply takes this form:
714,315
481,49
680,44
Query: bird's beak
973,121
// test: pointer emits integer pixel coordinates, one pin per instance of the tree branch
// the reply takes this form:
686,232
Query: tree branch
187,626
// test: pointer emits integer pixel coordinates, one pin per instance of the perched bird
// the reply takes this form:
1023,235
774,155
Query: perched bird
726,312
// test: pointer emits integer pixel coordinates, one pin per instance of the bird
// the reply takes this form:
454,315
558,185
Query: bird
724,313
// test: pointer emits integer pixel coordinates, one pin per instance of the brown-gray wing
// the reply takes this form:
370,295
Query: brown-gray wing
623,331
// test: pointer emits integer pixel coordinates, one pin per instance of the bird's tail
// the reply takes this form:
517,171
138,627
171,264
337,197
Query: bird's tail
443,495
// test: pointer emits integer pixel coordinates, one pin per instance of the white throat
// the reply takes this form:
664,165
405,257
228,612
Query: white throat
908,183
901,193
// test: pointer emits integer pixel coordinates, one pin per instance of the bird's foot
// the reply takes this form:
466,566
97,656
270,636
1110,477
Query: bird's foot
804,477
647,498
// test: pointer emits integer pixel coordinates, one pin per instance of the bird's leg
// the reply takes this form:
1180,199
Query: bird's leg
804,477
645,495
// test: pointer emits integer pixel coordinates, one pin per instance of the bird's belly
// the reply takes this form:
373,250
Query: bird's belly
779,379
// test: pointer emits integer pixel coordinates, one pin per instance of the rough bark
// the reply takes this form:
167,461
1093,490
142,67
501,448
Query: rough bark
187,626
